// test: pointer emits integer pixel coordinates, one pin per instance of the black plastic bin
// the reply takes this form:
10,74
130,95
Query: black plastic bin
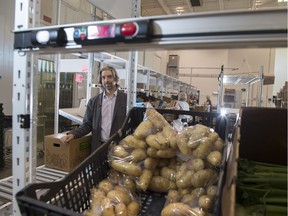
70,196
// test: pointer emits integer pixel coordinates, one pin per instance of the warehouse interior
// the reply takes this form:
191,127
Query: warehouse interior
235,77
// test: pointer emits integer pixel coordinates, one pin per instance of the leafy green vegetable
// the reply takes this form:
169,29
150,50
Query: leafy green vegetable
261,188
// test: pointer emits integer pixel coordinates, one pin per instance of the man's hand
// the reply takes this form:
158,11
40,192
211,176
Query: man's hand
68,138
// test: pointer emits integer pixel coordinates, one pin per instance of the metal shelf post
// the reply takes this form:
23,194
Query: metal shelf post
24,104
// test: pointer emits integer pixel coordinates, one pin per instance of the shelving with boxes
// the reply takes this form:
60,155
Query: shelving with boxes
154,84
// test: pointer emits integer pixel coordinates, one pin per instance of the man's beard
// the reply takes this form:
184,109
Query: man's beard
110,86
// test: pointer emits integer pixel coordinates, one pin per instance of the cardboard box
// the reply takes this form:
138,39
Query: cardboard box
63,156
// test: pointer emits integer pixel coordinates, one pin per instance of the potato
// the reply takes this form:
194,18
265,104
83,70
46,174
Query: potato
182,170
144,179
107,206
190,200
215,158
168,173
218,145
195,164
173,196
203,149
156,118
184,191
204,177
182,141
173,142
157,141
161,184
138,155
129,184
105,186
121,210
168,132
197,192
177,209
151,163
202,127
108,211
120,188
166,153
152,152
196,137
185,180
90,213
133,142
119,151
144,129
133,208
96,198
162,140
213,136
197,134
126,168
211,191
205,202
118,196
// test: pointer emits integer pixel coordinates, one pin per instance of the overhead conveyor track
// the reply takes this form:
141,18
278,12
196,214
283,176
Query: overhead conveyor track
236,29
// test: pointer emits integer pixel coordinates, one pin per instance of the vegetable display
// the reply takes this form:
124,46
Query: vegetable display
183,165
261,189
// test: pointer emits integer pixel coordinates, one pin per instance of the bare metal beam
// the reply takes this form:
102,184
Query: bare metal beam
164,6
199,75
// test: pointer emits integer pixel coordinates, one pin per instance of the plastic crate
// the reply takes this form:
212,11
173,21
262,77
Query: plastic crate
70,196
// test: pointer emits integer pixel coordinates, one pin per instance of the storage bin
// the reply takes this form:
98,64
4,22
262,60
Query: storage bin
260,135
71,195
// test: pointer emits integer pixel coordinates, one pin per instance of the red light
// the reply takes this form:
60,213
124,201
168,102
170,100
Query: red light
82,36
129,29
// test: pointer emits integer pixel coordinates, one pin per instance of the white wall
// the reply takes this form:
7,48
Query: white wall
281,69
250,60
200,61
245,60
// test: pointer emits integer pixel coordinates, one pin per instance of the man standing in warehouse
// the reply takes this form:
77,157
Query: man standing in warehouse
208,103
105,113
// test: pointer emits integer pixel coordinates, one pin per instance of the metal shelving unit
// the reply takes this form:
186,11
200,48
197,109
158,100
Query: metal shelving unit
241,29
43,174
165,84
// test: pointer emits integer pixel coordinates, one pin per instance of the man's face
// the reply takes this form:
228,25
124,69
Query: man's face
108,80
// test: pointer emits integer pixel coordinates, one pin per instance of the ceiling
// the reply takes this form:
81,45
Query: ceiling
166,7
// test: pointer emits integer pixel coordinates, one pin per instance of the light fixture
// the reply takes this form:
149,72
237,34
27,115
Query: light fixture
179,10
